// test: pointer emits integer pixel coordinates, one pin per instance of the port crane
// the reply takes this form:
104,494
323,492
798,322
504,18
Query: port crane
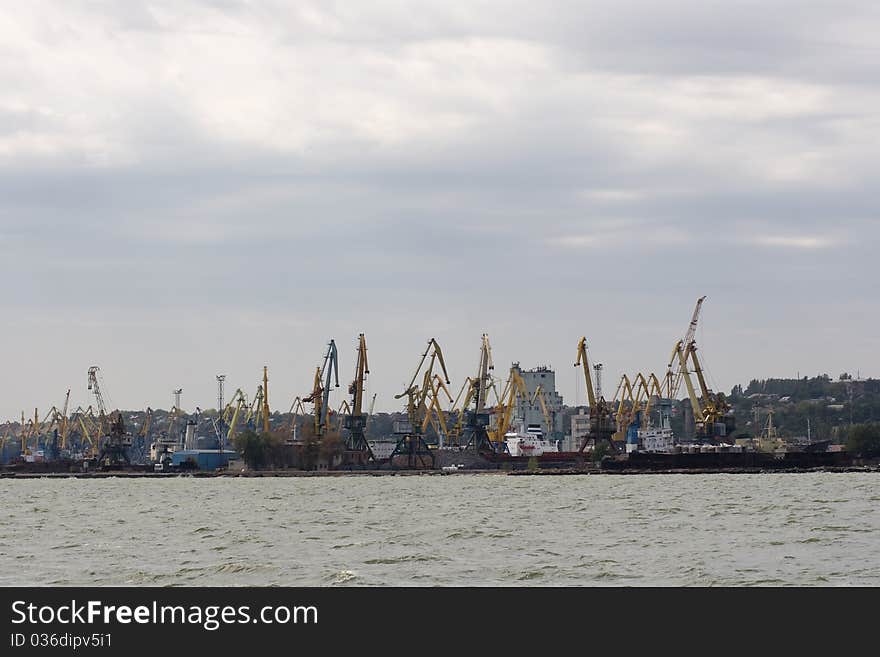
114,447
514,389
653,390
434,414
629,410
320,395
673,370
711,411
65,421
257,417
238,405
143,435
411,443
296,411
83,417
477,418
356,422
601,422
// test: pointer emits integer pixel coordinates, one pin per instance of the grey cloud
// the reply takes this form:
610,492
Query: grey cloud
224,185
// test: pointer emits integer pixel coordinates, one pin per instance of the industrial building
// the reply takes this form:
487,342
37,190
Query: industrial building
529,407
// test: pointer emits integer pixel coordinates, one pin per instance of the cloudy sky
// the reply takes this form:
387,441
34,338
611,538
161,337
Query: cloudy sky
195,188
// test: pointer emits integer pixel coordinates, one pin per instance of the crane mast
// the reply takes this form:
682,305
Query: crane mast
411,443
673,378
99,398
583,361
356,421
515,389
478,418
320,395
601,423
329,359
710,409
114,449
265,404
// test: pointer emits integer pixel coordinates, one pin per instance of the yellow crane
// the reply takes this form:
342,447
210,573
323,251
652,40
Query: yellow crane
341,413
710,409
630,402
148,421
673,370
236,406
433,412
514,389
65,423
411,443
623,395
653,390
356,422
89,428
265,408
601,422
297,410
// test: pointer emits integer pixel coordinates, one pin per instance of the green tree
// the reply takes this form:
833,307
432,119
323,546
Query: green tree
250,446
864,439
600,451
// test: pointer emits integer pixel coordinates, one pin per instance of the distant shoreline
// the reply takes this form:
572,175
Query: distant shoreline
414,473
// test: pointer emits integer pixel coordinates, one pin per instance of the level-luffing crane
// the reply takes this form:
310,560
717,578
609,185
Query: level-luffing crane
711,411
673,370
99,398
601,423
653,390
297,410
434,414
356,422
264,408
514,390
712,417
477,418
232,412
320,395
115,445
411,443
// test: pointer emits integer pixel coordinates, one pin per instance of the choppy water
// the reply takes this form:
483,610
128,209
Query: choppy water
767,529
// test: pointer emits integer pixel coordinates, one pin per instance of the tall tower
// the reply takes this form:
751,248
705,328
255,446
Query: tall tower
220,379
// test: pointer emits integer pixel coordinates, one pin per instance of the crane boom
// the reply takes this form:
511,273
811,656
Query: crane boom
482,378
265,399
329,359
583,361
361,370
673,379
679,353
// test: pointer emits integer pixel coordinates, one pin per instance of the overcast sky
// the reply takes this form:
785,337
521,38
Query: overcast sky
195,188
